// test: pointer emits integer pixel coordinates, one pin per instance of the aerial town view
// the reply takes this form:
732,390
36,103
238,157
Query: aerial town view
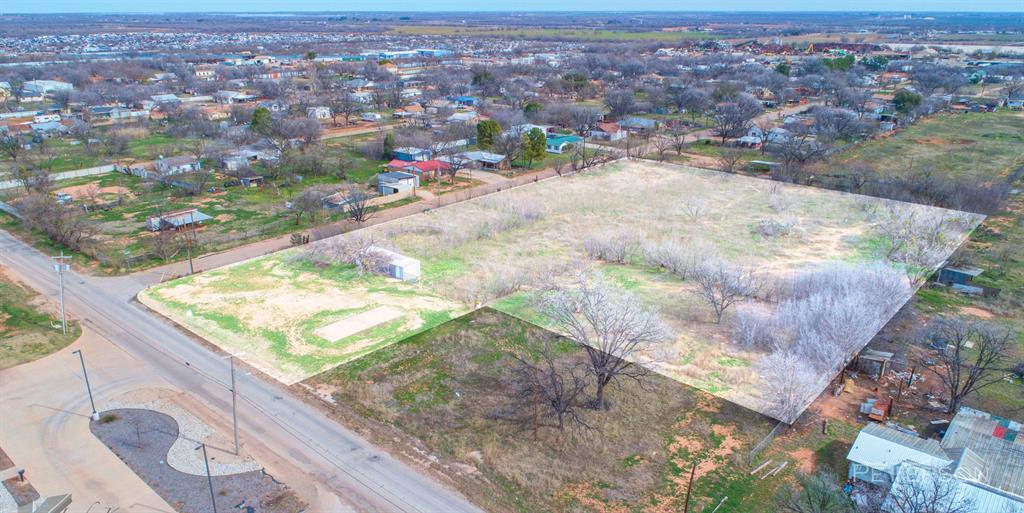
326,257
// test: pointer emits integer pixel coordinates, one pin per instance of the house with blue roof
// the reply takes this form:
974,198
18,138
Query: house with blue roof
559,143
466,101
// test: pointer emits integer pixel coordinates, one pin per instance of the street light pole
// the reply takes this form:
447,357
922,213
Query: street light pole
209,479
60,267
95,415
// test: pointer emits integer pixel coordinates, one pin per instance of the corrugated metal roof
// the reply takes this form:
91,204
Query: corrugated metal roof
883,448
994,440
927,484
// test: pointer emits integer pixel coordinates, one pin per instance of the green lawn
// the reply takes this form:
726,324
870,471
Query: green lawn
26,332
973,144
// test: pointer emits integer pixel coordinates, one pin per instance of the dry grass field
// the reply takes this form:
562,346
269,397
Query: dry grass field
503,249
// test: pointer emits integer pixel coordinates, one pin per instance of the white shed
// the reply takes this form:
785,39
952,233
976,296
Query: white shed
400,266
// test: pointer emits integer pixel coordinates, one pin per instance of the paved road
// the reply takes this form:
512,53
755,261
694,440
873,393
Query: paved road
341,461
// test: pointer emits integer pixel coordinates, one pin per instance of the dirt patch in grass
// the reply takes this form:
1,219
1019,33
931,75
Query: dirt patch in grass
804,459
79,192
978,312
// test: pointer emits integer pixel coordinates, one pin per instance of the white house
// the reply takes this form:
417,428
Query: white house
47,87
177,165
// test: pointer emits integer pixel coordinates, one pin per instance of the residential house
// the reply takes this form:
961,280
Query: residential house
250,154
177,220
232,97
206,72
47,87
561,143
165,98
409,111
410,154
466,101
978,459
485,159
525,128
177,165
464,117
273,105
393,182
319,113
639,125
608,132
424,170
49,129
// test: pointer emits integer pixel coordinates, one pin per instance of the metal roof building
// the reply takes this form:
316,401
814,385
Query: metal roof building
878,451
979,462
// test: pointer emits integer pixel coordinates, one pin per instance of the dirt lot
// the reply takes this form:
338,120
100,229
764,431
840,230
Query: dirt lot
448,390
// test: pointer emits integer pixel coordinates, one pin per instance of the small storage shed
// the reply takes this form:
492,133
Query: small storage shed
958,275
400,266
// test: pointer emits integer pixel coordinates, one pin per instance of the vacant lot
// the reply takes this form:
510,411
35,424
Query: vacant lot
448,388
503,250
27,330
973,144
294,320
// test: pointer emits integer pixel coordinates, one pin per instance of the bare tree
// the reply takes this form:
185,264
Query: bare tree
662,145
729,160
358,205
920,489
814,493
308,203
973,355
917,240
342,104
549,392
789,384
610,325
678,138
165,244
62,224
33,180
721,286
362,251
733,119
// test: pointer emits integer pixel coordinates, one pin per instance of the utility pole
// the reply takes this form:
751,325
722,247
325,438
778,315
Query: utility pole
209,479
234,399
689,488
188,241
95,415
59,268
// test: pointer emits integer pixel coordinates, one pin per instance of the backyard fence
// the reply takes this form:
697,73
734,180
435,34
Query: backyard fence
65,175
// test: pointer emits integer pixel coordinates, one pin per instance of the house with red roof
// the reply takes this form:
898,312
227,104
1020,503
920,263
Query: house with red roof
424,169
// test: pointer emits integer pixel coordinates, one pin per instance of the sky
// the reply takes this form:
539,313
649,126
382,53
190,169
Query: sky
50,6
